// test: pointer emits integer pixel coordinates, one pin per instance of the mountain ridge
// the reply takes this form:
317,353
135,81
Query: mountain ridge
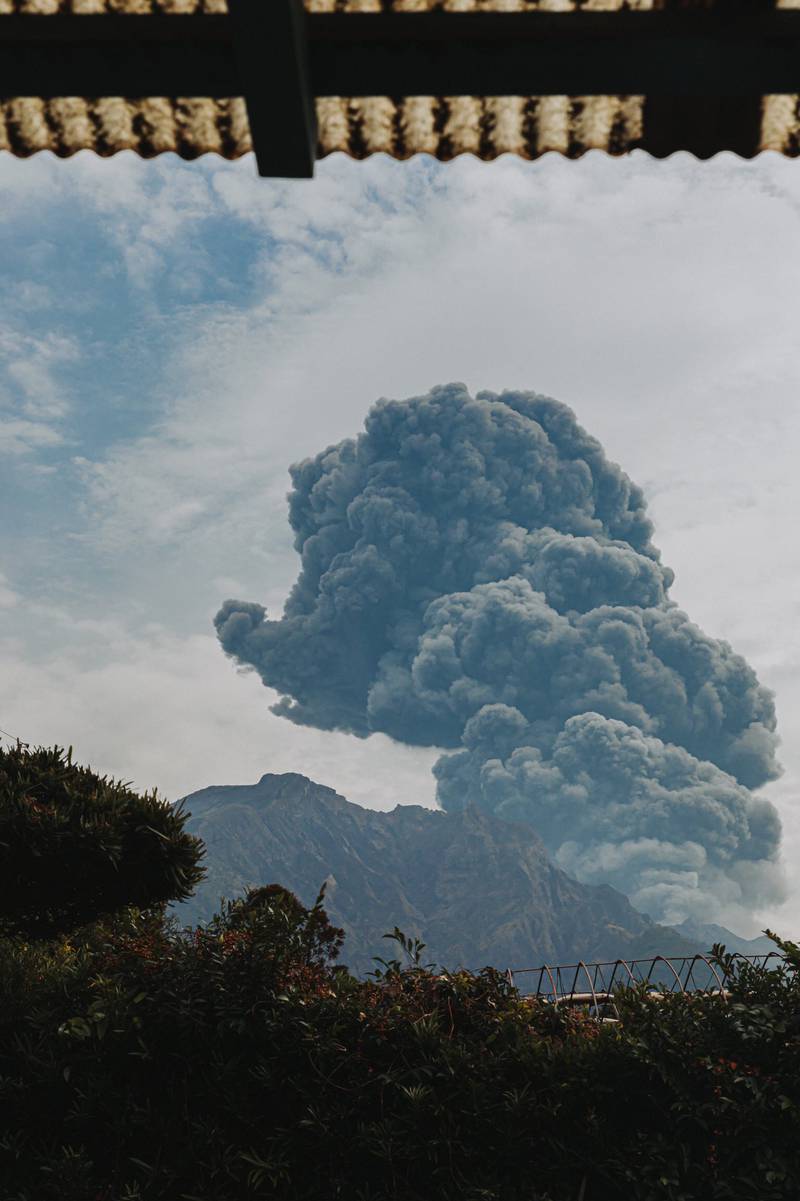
477,890
708,933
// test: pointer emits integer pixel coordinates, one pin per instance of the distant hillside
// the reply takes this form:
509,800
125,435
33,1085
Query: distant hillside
477,890
706,933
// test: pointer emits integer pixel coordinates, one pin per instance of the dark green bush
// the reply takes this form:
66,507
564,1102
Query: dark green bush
75,846
141,1061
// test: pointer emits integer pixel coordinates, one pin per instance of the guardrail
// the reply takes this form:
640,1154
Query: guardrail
594,985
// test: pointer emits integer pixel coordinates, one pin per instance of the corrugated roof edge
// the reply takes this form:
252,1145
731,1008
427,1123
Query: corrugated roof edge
440,126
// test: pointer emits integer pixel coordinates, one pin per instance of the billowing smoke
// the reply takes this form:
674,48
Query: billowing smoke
477,576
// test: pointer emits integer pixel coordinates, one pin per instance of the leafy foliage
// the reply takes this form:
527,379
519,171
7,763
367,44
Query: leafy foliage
274,916
144,1062
141,1061
75,846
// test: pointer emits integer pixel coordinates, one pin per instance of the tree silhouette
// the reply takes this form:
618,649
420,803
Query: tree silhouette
75,846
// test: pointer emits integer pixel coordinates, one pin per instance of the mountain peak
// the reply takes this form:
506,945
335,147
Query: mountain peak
476,889
708,933
271,778
279,781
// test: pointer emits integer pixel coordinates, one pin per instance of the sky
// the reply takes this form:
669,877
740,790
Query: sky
174,335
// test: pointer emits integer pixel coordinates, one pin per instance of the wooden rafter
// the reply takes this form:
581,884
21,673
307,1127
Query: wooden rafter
280,59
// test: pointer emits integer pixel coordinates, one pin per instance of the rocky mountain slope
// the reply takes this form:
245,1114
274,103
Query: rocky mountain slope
477,890
707,933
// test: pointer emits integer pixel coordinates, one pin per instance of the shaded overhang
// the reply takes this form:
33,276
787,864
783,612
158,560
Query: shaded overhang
296,80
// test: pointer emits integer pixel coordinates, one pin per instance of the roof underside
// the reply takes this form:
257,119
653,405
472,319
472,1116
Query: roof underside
443,126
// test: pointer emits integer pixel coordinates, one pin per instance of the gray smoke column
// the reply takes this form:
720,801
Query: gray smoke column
477,576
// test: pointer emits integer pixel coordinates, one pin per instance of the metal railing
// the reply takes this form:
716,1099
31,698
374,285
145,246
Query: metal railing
595,985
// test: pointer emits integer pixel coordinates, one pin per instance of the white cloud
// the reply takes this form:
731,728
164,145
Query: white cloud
41,395
33,401
30,296
18,437
170,712
8,597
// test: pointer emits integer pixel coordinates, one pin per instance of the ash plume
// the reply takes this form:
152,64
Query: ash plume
477,576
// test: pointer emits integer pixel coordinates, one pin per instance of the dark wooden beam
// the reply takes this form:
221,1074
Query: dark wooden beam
112,54
726,51
702,126
279,59
270,48
715,51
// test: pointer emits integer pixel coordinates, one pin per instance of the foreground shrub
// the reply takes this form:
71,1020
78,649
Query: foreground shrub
236,1061
75,845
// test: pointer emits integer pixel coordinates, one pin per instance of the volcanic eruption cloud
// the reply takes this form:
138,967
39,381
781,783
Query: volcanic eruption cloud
477,576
